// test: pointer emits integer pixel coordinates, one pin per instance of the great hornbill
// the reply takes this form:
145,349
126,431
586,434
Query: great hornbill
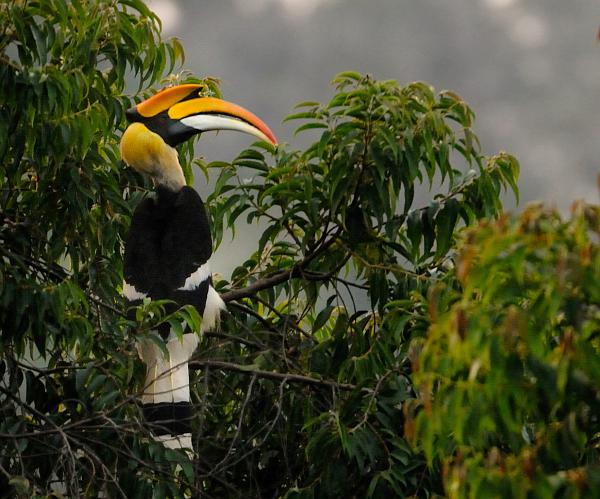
169,244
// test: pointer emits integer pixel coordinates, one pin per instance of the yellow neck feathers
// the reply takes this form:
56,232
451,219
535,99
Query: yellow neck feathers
147,152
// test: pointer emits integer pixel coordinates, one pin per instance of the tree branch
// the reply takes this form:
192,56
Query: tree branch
260,284
280,277
248,370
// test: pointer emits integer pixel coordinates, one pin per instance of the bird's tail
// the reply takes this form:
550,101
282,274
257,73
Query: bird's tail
166,398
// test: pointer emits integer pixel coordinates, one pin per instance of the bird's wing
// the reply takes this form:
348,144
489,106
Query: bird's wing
141,265
167,255
186,250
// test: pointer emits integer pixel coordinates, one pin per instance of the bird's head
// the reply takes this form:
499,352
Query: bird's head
171,117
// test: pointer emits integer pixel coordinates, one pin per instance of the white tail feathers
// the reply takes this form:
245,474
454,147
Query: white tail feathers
212,310
183,441
167,378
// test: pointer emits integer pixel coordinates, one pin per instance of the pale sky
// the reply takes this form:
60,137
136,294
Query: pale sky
530,69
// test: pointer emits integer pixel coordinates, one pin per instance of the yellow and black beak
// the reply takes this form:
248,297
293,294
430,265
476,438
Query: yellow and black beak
177,113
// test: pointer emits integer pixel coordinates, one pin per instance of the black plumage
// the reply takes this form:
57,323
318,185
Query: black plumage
169,239
169,243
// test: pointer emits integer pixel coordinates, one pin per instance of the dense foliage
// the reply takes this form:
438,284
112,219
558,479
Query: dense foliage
372,347
335,288
510,372
68,362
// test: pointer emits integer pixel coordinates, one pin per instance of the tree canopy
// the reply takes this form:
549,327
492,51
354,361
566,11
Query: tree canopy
393,332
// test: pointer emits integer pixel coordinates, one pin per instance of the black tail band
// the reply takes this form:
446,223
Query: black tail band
169,418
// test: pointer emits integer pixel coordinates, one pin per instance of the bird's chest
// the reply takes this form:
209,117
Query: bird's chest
155,257
162,241
169,240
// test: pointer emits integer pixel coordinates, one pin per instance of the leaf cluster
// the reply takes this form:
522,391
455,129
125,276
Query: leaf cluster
69,368
509,373
334,291
372,346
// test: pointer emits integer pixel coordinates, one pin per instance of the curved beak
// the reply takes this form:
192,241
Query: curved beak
208,113
177,113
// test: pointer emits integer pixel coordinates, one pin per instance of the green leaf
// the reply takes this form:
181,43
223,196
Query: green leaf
300,116
310,126
322,318
445,224
348,75
414,230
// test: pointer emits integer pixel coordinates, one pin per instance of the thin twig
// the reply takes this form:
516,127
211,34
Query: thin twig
289,377
240,422
264,283
296,271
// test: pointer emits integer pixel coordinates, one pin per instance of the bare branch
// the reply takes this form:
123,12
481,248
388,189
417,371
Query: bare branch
298,270
264,283
289,377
